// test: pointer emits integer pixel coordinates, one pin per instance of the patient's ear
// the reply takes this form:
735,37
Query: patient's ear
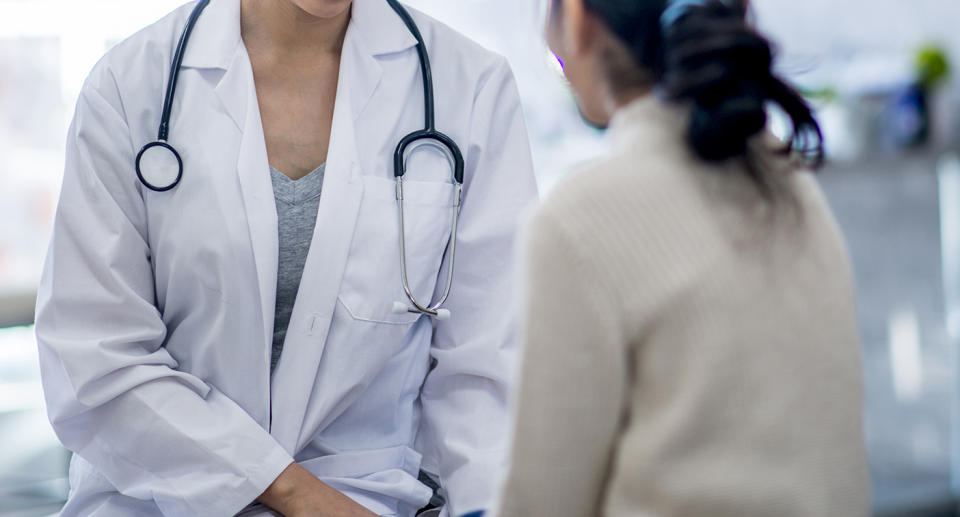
580,29
578,38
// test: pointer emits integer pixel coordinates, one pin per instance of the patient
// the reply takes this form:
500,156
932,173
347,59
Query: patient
690,338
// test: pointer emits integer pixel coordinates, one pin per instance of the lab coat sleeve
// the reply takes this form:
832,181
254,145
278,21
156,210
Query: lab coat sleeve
572,381
114,394
464,397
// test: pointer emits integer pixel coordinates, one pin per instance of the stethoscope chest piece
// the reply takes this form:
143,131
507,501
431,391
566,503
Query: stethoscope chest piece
159,166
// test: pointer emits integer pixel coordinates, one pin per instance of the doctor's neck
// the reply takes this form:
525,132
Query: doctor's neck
298,27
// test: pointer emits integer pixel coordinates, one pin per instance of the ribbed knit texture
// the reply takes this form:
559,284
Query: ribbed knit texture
690,348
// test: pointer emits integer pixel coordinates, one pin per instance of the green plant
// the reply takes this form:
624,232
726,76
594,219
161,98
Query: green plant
932,66
824,94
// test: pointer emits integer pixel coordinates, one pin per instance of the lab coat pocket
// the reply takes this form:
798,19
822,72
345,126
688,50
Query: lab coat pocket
372,278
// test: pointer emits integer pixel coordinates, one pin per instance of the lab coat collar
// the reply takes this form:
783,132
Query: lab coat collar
360,75
216,36
374,30
213,43
379,28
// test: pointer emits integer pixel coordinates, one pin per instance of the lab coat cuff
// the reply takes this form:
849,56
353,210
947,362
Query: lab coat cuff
470,490
260,479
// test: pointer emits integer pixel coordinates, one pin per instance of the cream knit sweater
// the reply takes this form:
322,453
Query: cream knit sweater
690,349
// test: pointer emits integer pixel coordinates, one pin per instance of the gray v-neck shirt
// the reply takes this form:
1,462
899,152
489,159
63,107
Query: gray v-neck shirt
297,205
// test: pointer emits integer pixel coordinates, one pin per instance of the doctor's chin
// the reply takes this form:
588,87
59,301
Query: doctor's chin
548,258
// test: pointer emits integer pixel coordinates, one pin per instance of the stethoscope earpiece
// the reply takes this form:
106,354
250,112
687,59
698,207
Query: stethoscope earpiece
159,166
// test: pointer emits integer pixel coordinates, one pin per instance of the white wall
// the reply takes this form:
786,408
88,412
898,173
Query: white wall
856,26
848,42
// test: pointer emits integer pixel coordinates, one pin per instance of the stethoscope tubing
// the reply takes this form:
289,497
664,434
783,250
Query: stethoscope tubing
426,71
164,130
431,310
428,133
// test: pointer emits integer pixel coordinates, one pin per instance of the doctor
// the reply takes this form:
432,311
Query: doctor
160,313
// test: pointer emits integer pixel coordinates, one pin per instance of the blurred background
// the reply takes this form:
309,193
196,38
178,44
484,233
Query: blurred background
880,73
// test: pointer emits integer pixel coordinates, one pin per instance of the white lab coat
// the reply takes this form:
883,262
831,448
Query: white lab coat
155,311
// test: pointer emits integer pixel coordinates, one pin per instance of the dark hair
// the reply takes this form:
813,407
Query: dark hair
708,54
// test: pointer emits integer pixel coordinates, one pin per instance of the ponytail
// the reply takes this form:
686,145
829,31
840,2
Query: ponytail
704,52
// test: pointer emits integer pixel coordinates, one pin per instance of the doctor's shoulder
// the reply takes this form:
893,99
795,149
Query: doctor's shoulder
449,50
138,65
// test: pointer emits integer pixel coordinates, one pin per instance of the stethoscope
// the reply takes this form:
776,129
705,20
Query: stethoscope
160,168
